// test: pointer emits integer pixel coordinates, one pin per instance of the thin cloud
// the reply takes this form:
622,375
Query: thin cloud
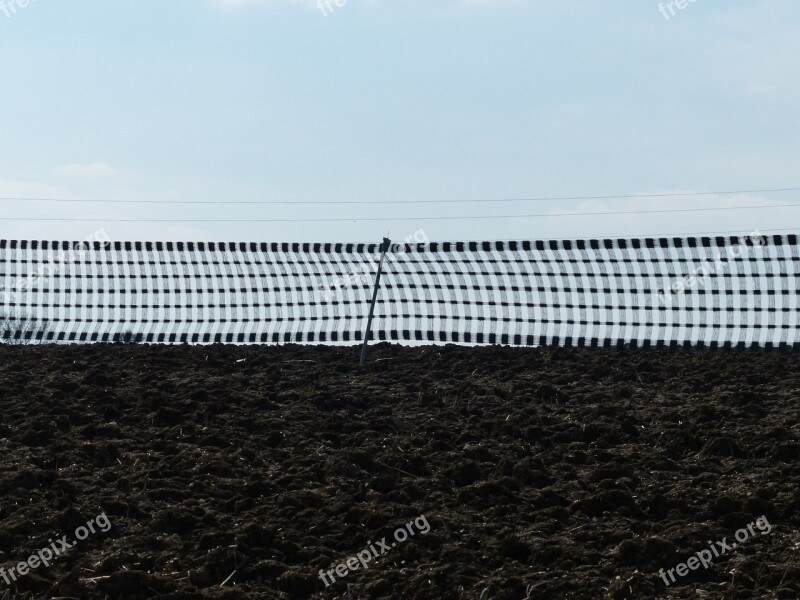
87,171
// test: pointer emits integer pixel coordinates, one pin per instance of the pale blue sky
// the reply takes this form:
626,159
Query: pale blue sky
378,101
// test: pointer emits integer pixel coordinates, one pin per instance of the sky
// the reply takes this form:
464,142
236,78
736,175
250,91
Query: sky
405,109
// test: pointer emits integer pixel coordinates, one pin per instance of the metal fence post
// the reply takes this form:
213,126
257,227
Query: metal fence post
365,347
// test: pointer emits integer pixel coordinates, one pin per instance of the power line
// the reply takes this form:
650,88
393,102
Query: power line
368,202
641,235
462,217
709,234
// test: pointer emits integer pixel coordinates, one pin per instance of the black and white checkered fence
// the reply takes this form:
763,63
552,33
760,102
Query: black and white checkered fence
710,291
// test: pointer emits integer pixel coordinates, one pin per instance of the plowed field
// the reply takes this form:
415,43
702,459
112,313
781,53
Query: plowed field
241,472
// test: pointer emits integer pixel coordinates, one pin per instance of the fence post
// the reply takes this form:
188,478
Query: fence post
364,348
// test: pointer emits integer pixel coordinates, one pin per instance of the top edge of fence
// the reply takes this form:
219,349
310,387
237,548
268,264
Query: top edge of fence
371,248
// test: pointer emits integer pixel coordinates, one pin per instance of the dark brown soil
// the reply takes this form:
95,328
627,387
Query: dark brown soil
543,473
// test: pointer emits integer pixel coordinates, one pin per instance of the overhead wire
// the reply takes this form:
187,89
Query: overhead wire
372,203
409,218
709,234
